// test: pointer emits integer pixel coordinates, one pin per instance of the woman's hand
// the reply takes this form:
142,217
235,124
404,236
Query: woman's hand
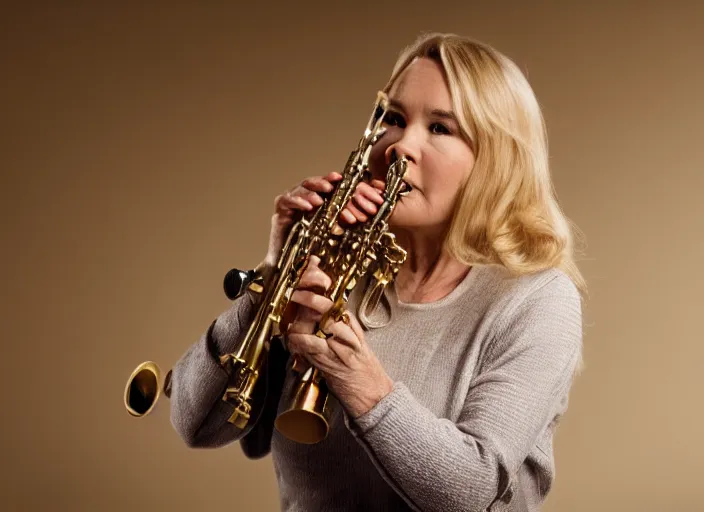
352,371
307,196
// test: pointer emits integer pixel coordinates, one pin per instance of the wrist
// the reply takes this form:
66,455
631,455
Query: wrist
360,403
269,261
266,268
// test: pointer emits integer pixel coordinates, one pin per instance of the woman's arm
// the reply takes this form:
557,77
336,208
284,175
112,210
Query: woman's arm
435,464
198,382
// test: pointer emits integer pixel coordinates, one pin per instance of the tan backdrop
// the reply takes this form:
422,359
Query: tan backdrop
142,148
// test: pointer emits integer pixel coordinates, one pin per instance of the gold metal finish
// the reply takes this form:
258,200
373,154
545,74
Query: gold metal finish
142,390
346,255
306,420
345,318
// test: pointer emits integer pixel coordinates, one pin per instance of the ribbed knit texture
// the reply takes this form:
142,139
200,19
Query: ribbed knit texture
482,378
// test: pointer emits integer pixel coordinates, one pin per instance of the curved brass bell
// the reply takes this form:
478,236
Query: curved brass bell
306,417
143,391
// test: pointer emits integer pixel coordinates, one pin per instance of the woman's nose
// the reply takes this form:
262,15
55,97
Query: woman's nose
398,149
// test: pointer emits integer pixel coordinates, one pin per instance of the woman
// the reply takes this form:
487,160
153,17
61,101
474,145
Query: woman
447,398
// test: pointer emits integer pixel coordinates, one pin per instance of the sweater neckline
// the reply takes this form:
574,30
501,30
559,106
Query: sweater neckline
451,297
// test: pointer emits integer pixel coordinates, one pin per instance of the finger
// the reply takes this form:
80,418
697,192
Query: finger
348,217
311,196
342,333
302,324
288,202
312,266
312,300
365,204
341,350
355,326
314,279
356,213
313,261
322,183
370,192
305,321
317,184
379,185
307,345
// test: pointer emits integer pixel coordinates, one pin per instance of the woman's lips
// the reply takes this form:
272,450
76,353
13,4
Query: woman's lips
406,186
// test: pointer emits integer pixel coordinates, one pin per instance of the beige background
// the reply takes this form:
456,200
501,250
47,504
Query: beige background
142,148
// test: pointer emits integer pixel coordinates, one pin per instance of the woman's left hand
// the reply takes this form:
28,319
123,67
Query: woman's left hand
351,370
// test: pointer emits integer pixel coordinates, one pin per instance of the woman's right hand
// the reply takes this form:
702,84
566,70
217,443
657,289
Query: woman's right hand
307,196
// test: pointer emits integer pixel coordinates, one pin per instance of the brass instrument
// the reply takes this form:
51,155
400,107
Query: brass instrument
346,255
143,390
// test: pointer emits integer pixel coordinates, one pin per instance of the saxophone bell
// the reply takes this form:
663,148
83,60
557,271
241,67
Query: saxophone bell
143,390
306,418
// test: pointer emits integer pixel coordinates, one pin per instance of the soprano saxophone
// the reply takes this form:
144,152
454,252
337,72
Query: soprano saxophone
346,255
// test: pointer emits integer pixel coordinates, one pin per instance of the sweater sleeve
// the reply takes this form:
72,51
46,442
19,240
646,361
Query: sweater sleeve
435,464
198,382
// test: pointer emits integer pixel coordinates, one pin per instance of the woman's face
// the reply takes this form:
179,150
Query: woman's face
422,126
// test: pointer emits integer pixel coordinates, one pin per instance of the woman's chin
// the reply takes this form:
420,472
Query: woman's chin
402,222
410,222
404,217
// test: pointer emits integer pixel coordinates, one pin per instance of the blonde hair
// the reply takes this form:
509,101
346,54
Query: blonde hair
507,211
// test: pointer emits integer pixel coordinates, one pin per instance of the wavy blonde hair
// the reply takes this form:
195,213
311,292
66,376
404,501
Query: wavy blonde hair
507,211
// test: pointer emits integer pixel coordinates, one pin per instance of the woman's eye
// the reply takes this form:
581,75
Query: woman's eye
393,119
439,128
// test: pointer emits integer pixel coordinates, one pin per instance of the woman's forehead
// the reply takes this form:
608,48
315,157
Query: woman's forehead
422,82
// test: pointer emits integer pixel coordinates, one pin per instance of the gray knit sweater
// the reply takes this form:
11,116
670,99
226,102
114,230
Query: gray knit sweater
481,376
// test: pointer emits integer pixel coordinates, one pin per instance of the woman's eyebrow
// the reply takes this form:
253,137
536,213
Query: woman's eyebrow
444,114
396,104
437,112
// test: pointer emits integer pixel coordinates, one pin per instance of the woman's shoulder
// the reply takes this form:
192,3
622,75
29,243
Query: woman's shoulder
539,309
551,282
544,292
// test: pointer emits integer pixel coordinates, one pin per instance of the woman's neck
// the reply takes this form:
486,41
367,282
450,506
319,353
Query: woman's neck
429,273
